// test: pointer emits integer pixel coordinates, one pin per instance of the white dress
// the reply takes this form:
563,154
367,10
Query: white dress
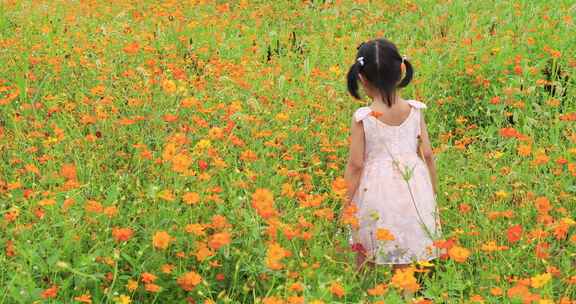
385,200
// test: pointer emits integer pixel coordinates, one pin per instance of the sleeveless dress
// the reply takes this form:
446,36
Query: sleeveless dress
397,222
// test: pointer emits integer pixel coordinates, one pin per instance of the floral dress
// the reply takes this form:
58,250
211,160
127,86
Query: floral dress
397,213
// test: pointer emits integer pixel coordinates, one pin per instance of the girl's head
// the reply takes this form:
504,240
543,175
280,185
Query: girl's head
378,66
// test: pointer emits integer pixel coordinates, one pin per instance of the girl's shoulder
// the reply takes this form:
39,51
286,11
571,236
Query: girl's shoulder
417,104
362,113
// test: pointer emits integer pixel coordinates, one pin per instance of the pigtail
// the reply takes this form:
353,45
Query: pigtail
353,79
409,74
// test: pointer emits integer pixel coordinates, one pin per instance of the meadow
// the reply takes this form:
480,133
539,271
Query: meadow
194,151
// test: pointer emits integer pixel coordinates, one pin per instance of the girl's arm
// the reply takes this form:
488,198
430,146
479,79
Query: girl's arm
356,159
427,155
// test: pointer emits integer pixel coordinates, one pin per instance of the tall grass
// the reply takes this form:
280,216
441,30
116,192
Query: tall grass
116,114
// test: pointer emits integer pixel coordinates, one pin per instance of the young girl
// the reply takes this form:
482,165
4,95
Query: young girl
390,174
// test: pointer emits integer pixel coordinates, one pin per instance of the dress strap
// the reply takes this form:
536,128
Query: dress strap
362,113
417,104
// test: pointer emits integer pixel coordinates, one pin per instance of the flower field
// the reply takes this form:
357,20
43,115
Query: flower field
194,151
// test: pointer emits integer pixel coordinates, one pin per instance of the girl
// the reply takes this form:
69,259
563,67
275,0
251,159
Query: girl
390,175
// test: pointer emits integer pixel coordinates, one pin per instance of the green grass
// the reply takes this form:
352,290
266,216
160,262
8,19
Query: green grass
66,84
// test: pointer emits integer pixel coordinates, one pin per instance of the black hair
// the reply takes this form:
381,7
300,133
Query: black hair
379,62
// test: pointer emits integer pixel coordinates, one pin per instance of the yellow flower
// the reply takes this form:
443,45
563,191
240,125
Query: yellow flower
425,263
540,280
335,69
374,215
489,246
282,117
122,299
501,194
497,154
202,144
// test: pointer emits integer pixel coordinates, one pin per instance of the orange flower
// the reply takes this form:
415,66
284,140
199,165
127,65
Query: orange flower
10,248
383,234
50,293
98,90
169,151
203,252
274,254
161,240
339,186
167,195
132,285
508,132
248,155
191,198
169,86
337,289
378,290
170,117
167,268
189,280
86,298
464,208
122,234
93,206
524,150
459,254
218,240
263,202
496,291
151,287
196,229
541,250
514,233
274,300
110,211
68,171
517,290
542,204
189,102
568,116
131,48
296,287
181,162
147,277
541,158
376,114
404,279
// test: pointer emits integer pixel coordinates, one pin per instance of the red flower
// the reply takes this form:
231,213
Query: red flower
358,247
514,233
446,244
203,165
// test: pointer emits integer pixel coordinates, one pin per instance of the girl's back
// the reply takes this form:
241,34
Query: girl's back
400,139
390,184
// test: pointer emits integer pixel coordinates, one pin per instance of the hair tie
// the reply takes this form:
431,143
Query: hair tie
361,61
402,64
